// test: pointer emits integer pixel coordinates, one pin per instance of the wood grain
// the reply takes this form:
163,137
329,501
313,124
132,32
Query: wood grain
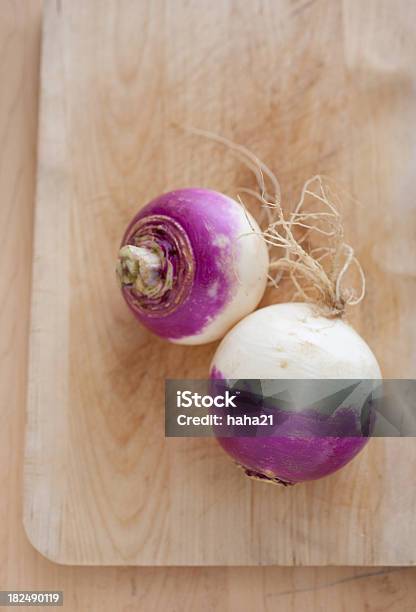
124,589
306,86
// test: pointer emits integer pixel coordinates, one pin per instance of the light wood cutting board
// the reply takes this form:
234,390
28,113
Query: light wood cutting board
310,87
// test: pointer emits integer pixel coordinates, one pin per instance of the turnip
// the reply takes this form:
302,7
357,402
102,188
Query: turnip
290,341
300,340
191,264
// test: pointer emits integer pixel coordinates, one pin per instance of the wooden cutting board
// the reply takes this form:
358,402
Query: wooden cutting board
308,86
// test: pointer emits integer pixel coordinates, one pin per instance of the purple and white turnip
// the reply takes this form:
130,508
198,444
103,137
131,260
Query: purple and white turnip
192,263
293,341
308,340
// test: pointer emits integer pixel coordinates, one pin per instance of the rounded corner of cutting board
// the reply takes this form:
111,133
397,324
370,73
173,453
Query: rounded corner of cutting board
31,533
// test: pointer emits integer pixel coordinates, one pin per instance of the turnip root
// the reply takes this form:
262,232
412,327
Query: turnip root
307,340
192,264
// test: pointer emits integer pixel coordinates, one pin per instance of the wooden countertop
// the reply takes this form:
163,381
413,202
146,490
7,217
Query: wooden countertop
124,589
